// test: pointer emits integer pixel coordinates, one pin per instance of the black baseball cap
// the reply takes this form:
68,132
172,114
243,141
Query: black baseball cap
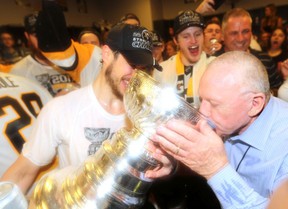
156,39
187,19
51,28
133,42
30,22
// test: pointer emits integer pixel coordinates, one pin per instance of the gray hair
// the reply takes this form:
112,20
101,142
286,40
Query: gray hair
249,70
236,12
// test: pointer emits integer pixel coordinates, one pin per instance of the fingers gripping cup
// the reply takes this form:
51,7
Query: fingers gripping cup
114,177
213,41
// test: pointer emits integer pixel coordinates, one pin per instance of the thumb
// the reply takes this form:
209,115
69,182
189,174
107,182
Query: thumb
206,127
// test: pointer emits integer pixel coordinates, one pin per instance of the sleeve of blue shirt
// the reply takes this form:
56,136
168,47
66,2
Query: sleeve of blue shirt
233,192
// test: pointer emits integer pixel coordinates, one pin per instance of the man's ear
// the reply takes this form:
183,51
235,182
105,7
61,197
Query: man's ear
106,52
258,103
175,40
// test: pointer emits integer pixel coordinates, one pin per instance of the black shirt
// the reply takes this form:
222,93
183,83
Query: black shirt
275,78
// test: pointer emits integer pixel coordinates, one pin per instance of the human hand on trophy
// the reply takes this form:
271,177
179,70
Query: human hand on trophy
197,146
167,164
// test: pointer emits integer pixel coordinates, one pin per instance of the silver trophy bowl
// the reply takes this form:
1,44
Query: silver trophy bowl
148,104
114,177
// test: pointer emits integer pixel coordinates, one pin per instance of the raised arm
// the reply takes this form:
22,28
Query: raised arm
22,172
205,7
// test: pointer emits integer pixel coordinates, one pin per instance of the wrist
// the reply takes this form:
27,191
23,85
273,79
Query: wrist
220,168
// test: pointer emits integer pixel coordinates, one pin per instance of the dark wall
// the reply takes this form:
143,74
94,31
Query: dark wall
18,33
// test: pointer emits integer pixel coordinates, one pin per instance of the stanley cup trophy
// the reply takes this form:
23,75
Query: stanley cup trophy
113,178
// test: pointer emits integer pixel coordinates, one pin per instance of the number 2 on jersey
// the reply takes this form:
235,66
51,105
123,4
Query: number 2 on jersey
12,128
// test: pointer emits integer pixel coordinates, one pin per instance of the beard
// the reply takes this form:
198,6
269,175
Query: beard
113,82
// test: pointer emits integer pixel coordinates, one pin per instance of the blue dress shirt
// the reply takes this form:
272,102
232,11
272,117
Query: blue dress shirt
258,160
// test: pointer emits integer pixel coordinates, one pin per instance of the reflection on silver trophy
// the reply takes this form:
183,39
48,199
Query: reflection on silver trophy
114,177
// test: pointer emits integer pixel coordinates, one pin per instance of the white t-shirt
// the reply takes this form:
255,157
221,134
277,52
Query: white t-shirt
20,102
170,75
74,126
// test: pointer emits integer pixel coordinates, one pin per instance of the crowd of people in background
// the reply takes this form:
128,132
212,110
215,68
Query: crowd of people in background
196,60
272,39
14,46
